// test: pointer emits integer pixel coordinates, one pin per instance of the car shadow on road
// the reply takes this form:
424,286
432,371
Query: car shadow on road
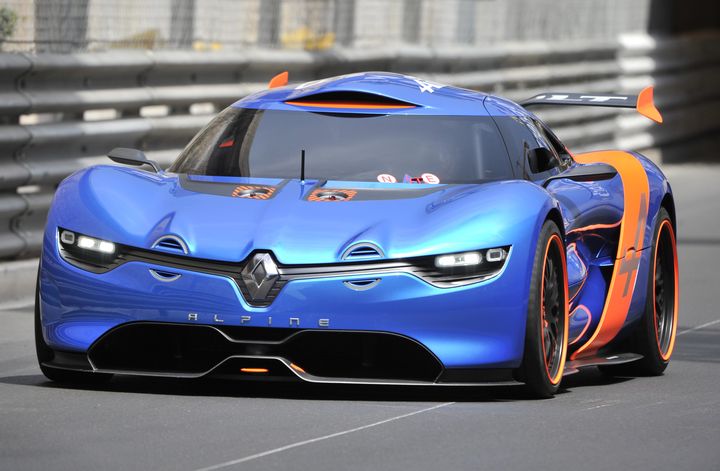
316,392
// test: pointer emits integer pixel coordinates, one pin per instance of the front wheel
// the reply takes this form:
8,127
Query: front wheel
546,333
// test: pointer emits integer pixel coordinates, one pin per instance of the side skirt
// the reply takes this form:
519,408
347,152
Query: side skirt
574,366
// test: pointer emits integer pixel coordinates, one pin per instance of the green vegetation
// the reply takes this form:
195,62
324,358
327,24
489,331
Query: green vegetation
8,20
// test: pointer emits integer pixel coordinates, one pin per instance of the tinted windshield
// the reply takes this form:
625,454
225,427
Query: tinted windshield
344,146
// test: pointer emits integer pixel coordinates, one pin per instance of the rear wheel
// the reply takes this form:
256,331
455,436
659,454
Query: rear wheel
655,335
546,335
45,354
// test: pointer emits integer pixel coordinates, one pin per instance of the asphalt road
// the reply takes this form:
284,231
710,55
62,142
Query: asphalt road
670,422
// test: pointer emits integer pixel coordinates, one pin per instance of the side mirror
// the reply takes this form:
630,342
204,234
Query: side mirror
539,159
123,155
585,173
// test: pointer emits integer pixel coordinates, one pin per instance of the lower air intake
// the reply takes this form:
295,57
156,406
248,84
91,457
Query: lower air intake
184,349
368,355
166,348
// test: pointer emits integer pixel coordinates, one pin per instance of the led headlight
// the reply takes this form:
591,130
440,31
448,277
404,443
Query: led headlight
86,252
465,259
462,268
471,259
90,243
69,238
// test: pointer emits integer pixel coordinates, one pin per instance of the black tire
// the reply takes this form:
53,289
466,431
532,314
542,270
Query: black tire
45,354
546,333
654,337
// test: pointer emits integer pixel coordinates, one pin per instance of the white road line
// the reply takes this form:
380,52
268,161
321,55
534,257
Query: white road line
318,439
701,326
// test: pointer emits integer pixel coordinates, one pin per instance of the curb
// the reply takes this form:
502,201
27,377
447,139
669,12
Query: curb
17,283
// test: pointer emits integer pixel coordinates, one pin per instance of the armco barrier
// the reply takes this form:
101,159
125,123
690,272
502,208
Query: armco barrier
149,100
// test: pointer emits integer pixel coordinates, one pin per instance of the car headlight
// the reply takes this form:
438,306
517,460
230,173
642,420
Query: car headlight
88,253
96,245
471,259
462,268
466,259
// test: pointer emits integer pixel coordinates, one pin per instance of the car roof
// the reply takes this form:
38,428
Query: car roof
428,97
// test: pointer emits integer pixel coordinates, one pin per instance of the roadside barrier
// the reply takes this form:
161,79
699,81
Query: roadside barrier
60,113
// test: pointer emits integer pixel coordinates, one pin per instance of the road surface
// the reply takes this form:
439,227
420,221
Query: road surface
664,423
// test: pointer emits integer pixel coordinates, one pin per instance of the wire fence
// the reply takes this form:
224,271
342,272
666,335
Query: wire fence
61,26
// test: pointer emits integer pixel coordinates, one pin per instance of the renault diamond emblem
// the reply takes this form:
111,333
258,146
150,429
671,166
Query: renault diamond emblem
259,275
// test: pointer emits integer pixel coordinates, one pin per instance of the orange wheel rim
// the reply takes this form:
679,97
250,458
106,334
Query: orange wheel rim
554,312
664,296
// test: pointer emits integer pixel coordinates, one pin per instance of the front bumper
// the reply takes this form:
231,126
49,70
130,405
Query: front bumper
480,326
326,356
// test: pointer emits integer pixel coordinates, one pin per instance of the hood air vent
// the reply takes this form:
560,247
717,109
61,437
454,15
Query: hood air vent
171,244
363,251
350,100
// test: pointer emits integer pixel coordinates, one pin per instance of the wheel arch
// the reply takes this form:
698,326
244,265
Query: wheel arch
555,216
668,202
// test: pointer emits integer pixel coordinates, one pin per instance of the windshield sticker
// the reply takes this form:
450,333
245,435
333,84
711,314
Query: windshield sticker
386,178
430,178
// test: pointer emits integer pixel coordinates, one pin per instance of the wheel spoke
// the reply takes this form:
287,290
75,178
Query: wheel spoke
552,331
548,348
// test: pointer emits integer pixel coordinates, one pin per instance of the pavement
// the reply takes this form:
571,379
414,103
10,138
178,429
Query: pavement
595,422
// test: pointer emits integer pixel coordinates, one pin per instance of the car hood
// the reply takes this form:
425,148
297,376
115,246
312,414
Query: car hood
136,208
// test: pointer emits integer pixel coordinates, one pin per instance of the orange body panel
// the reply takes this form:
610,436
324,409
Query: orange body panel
280,80
370,106
636,191
646,105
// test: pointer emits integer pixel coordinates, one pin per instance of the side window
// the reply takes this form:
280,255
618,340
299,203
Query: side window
529,147
549,158
557,146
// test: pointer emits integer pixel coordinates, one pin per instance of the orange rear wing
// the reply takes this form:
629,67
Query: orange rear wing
642,102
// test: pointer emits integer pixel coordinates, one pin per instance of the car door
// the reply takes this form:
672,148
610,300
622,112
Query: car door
591,212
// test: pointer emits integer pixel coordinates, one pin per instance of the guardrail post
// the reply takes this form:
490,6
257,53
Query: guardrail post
66,19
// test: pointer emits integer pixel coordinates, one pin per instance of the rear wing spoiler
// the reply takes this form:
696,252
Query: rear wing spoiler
642,102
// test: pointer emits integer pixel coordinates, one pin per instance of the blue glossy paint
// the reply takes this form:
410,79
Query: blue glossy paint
462,326
430,98
480,325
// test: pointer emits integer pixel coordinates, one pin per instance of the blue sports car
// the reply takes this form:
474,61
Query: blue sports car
370,228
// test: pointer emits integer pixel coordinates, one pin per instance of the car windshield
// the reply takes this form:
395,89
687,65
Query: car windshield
247,142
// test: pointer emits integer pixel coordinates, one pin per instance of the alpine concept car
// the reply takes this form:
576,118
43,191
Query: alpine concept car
370,228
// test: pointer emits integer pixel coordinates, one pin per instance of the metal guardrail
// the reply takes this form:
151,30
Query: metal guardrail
49,103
